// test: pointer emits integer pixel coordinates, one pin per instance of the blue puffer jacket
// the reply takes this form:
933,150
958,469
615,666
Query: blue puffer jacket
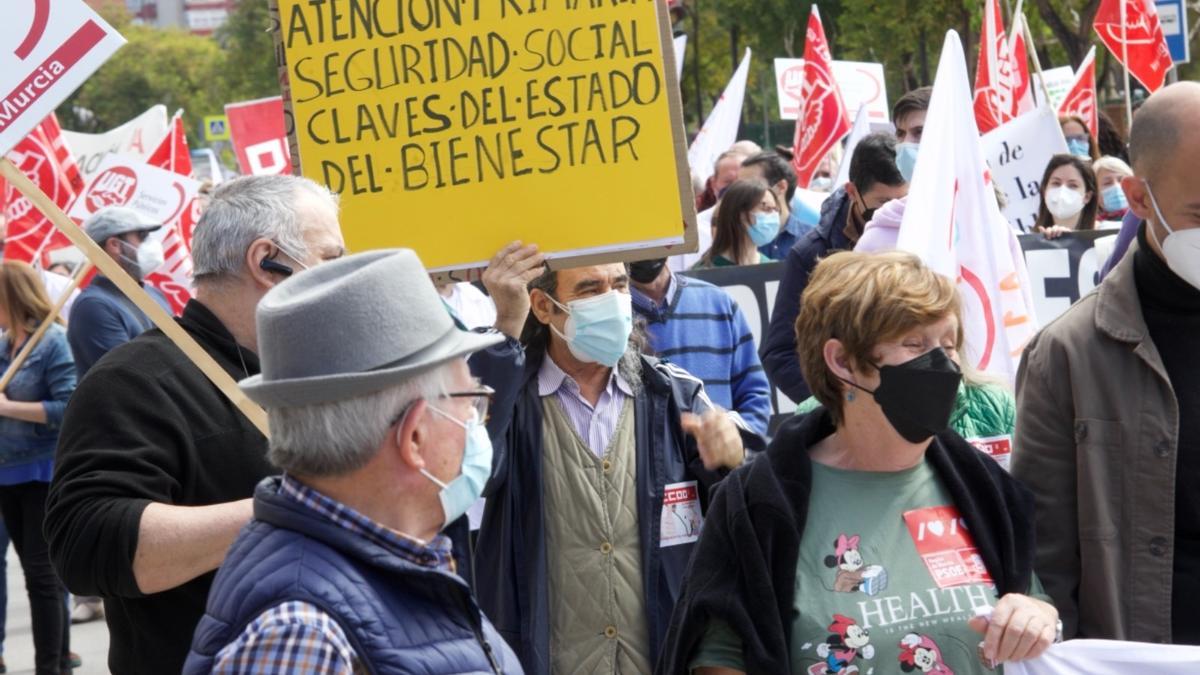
399,617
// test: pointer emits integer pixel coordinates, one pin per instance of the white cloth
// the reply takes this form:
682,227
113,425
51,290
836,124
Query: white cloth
55,285
684,261
475,309
1110,657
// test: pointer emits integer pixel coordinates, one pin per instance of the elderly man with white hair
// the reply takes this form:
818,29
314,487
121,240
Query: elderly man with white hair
155,467
378,427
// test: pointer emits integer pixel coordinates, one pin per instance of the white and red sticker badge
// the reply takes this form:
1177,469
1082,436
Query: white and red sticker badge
946,547
681,517
998,448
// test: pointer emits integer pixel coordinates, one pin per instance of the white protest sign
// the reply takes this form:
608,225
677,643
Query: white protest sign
861,84
50,48
1018,153
136,138
157,194
1058,82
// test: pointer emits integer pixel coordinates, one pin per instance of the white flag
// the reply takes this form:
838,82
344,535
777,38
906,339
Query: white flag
680,50
721,128
952,221
861,128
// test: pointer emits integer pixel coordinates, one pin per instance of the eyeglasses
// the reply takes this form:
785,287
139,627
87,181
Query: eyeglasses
481,399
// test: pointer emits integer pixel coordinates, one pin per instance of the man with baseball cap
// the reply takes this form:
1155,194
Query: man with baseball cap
378,427
102,317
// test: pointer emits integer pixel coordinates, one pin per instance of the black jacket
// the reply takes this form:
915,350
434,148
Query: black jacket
744,566
778,349
145,425
510,557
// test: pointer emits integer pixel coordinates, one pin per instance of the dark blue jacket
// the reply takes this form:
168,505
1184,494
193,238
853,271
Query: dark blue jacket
510,557
103,318
778,350
398,616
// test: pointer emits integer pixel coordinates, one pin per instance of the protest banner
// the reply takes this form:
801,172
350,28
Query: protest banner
1060,271
50,48
823,120
558,124
721,128
862,84
42,156
1057,81
158,195
135,138
1018,153
1081,100
259,137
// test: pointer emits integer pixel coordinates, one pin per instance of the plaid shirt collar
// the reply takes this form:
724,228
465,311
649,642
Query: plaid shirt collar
436,554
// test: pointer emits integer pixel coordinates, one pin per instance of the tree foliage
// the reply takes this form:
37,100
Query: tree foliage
250,71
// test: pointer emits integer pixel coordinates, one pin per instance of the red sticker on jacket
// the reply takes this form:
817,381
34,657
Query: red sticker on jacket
946,547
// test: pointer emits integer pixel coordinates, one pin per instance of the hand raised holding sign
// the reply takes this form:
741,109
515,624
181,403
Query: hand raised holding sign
507,279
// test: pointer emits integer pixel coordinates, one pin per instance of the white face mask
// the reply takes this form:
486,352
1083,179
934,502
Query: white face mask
150,256
1063,202
1180,249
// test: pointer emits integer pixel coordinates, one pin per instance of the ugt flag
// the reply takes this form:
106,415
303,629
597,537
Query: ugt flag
721,128
1132,32
1080,100
43,156
952,221
823,119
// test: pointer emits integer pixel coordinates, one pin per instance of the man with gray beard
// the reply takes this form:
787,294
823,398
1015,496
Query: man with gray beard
600,483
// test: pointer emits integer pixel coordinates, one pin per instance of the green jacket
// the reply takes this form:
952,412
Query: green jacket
981,411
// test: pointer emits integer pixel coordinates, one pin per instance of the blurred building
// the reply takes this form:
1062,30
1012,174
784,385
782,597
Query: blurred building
200,17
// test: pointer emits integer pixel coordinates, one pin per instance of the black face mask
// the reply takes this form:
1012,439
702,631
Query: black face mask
918,396
867,214
645,271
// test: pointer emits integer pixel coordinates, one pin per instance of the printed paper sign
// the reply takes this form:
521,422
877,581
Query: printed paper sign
861,84
557,123
158,195
50,48
259,136
946,547
998,448
681,517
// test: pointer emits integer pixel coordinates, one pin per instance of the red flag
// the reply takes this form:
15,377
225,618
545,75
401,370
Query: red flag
1080,100
1131,28
1022,89
174,277
823,120
44,157
995,81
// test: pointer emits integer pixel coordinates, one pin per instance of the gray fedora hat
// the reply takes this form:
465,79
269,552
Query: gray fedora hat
351,327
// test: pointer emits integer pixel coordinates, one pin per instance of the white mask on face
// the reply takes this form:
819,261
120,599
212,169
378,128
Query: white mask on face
1063,202
1180,249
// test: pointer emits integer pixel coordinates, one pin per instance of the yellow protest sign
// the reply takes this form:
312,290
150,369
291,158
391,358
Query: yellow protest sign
455,126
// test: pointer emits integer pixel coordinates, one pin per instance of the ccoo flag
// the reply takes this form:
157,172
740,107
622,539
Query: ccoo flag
823,119
953,222
1080,100
1132,32
721,128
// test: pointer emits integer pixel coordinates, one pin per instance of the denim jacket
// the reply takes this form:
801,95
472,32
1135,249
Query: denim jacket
48,375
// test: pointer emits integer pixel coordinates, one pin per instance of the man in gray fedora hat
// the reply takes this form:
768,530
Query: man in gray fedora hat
378,427
155,466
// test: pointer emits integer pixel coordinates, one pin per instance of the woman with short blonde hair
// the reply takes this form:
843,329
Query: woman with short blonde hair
869,536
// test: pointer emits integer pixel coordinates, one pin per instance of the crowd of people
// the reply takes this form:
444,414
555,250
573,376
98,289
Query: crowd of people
575,471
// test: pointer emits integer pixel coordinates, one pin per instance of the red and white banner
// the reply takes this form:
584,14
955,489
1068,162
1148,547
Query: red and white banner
995,81
721,128
259,136
1081,100
954,224
50,48
823,120
1132,32
135,138
861,83
174,277
1022,82
42,156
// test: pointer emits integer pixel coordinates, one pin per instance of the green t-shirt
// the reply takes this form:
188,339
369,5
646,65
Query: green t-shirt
866,595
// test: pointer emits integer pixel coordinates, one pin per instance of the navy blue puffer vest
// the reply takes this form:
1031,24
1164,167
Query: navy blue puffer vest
399,617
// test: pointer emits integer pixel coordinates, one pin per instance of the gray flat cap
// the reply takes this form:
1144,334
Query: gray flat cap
114,221
352,327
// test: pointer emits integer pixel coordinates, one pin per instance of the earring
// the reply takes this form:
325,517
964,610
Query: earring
850,396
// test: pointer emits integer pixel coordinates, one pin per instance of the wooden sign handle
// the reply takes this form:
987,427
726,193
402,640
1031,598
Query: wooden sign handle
165,322
36,338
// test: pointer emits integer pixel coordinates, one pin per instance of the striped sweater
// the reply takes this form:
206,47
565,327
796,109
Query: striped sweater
700,329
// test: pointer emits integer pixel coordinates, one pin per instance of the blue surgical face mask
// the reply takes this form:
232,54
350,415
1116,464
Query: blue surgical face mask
1112,198
764,229
821,184
906,159
1078,147
459,494
598,328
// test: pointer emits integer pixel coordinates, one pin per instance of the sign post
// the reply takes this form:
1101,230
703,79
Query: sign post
558,124
1172,14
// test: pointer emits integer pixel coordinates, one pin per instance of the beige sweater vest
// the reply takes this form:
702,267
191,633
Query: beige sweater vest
593,554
